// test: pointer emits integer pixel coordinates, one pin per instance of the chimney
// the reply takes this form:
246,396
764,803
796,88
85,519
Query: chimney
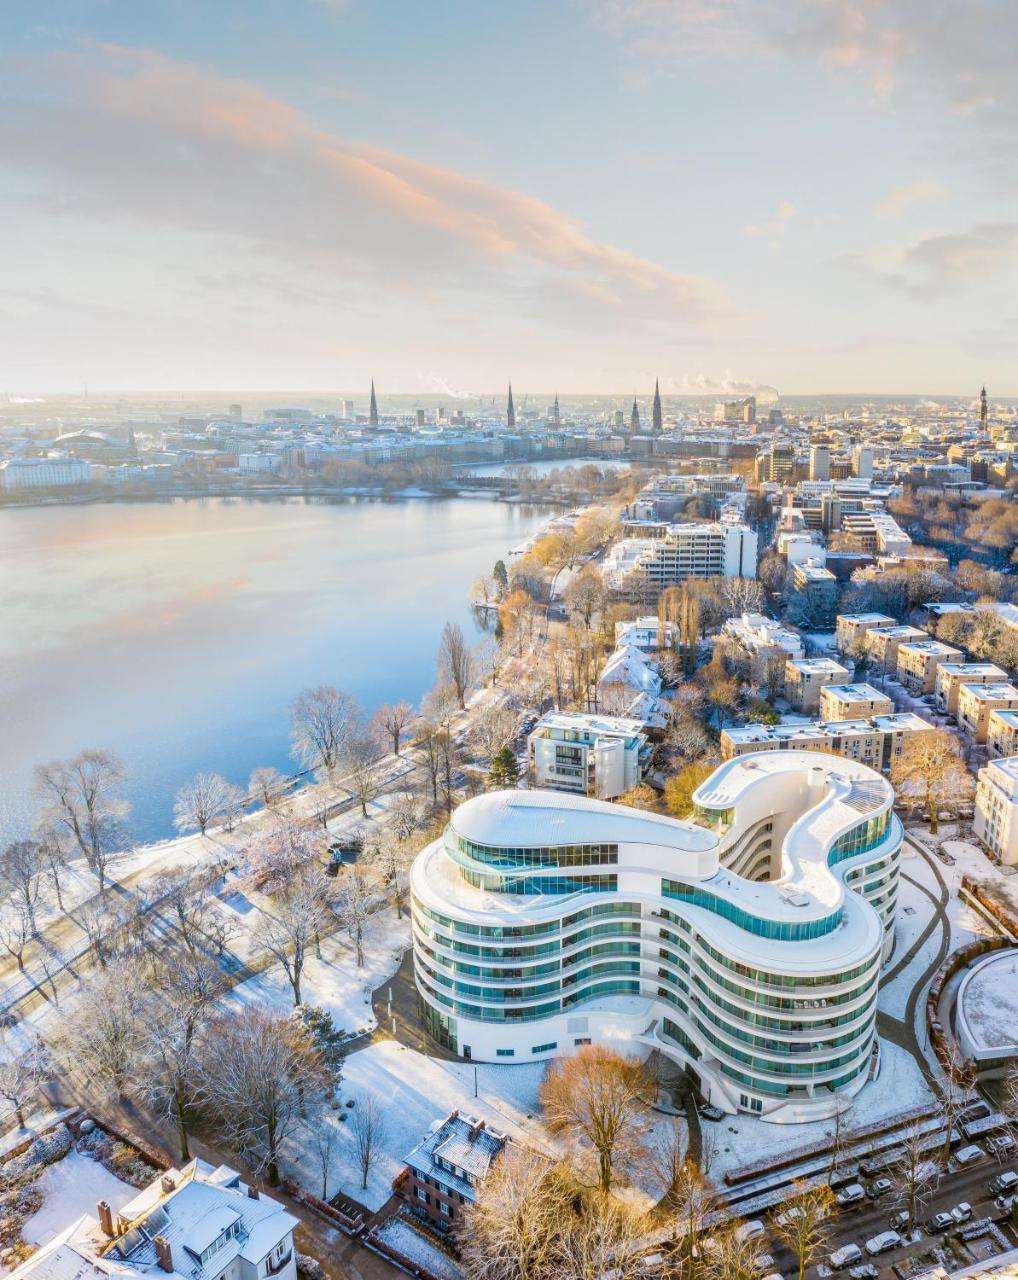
252,1193
168,1183
164,1253
106,1218
475,1129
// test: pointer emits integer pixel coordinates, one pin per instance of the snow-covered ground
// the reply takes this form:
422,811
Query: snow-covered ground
335,983
413,1092
73,1186
899,1087
401,1235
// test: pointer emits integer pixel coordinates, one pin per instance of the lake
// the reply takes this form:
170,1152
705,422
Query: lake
177,633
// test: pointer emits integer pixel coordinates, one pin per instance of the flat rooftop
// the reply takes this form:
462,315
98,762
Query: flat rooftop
854,692
990,692
817,666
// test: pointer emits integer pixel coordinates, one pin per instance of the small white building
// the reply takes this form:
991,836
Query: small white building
996,814
589,755
193,1223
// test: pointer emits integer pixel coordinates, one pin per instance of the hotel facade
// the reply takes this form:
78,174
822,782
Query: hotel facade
746,945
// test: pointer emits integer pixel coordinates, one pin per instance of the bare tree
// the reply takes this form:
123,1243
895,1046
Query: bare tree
742,595
285,850
692,1199
390,724
322,720
455,661
493,727
299,916
267,785
915,1173
597,1093
931,767
102,1035
55,856
109,924
357,898
15,931
392,858
955,1095
21,1074
368,1128
80,801
258,1072
360,769
510,1232
735,1255
186,989
585,596
187,895
408,813
804,1224
206,798
21,870
323,1143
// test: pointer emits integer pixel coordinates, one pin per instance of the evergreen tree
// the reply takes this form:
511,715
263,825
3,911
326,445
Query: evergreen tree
327,1037
501,577
504,771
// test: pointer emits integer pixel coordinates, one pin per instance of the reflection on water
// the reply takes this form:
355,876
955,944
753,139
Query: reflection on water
176,633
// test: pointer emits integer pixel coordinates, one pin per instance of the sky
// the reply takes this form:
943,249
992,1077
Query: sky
580,195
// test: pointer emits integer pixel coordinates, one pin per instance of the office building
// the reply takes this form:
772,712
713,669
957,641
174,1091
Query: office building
746,945
18,475
820,462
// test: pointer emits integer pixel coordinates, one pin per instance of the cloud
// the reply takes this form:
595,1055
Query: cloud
691,28
112,131
940,265
776,226
898,199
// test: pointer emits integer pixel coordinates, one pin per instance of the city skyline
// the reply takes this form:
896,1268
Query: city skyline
810,196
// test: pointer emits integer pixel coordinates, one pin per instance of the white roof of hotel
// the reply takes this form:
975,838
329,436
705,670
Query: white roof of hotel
532,819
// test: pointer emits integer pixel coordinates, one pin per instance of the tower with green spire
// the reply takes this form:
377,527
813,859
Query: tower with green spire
510,412
656,418
373,410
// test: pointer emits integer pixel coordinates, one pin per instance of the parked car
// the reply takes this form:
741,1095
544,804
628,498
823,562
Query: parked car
1003,1146
975,1111
941,1222
881,1243
852,1194
786,1218
747,1230
865,1271
1004,1182
845,1256
709,1112
879,1187
899,1220
764,1265
962,1212
969,1155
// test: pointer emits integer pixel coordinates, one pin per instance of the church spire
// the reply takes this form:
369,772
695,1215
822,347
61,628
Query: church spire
634,417
557,410
510,412
982,405
373,410
657,407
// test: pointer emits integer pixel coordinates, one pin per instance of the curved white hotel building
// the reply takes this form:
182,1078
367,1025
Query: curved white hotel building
746,945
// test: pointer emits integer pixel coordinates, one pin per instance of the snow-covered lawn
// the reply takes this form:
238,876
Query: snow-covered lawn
335,983
414,1092
899,1087
401,1235
991,1000
73,1186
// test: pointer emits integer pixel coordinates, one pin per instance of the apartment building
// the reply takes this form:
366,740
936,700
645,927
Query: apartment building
952,675
852,627
818,585
648,634
590,755
444,1172
878,532
637,568
599,923
196,1221
882,644
995,821
805,677
1002,734
977,701
853,702
20,474
918,661
875,740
